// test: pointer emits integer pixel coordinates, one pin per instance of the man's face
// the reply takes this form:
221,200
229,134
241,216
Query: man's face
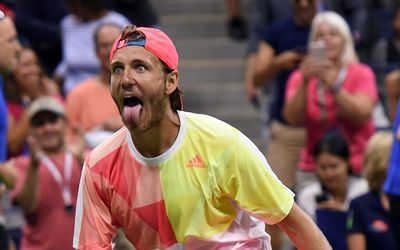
9,44
105,39
49,131
138,87
305,10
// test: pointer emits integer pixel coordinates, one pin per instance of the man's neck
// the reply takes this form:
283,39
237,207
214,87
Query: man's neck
158,139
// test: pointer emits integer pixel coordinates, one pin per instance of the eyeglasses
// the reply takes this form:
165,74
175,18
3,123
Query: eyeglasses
41,119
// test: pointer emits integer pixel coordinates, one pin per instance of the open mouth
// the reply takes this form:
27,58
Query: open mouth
132,101
132,110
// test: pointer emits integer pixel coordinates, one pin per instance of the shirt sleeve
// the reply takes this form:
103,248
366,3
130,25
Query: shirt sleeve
21,165
93,222
271,33
248,179
362,80
354,220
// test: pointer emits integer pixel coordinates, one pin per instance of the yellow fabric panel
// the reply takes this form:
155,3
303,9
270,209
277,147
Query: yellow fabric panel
200,199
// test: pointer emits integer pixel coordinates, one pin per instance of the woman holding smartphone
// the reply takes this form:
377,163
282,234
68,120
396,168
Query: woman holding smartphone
331,89
336,184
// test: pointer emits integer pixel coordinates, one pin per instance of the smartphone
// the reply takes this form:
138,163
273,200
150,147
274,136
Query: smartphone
322,197
317,49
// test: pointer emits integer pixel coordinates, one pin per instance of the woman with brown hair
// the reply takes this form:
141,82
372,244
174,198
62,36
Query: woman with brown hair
27,82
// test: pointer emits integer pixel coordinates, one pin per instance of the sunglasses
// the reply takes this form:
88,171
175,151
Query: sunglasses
43,118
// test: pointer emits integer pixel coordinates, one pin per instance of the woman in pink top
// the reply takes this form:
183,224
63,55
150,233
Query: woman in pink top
331,90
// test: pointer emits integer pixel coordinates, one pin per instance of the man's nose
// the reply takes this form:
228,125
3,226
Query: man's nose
128,82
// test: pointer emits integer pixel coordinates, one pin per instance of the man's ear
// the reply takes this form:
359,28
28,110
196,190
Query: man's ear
171,82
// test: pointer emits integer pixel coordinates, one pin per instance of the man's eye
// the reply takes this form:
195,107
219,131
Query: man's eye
140,68
117,69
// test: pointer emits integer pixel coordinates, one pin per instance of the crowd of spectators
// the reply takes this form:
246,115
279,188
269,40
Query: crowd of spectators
336,69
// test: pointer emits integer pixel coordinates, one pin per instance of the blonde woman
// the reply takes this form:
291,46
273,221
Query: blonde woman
331,90
368,223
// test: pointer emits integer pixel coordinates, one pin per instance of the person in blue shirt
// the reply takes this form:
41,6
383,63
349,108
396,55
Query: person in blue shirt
392,183
9,49
368,225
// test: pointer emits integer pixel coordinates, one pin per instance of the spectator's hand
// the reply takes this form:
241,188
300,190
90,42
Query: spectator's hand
331,204
50,86
329,73
78,144
289,59
310,67
36,153
251,90
59,80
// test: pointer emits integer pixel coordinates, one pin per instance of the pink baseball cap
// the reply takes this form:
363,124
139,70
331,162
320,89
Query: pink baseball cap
156,41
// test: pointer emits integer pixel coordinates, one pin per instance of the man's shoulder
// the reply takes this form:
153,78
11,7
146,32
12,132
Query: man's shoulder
204,119
203,123
208,130
106,149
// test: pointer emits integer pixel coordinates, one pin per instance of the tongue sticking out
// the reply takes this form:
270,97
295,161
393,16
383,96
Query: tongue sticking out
131,114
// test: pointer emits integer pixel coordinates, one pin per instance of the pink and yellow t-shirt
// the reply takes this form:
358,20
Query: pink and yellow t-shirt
213,189
359,79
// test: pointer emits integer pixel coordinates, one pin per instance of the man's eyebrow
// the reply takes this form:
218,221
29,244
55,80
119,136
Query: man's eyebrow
113,63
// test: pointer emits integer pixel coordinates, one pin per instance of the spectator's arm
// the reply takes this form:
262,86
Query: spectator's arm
8,175
251,90
295,107
356,101
269,64
392,86
29,195
264,68
355,107
356,241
